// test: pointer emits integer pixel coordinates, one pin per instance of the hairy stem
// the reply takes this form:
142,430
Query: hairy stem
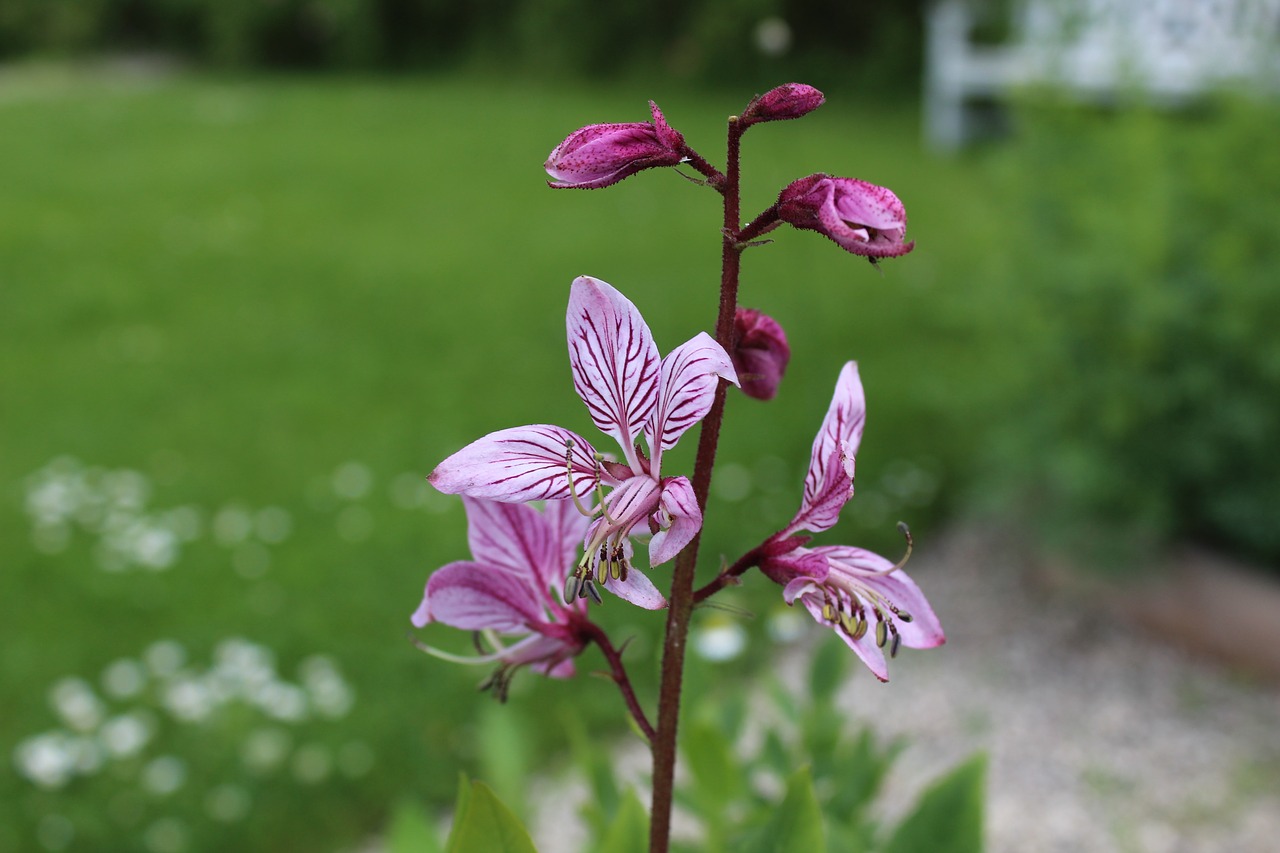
728,576
681,598
618,673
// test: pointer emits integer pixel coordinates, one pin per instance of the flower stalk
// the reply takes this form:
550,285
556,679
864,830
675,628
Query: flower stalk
681,597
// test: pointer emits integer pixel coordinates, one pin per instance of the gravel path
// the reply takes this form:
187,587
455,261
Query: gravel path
1099,738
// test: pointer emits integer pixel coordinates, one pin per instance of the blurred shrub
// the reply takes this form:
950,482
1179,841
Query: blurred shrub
743,41
1147,252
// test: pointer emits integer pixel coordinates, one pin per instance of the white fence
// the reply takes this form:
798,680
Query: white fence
1169,50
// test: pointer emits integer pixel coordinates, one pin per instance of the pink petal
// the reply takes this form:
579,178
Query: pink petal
864,647
684,520
924,631
821,510
515,538
836,443
637,590
520,464
797,564
614,359
690,374
474,598
568,528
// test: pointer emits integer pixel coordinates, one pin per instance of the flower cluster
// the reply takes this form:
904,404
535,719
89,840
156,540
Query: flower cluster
533,572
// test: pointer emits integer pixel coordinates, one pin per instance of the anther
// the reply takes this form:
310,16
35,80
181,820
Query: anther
828,612
572,588
860,628
882,632
897,639
593,592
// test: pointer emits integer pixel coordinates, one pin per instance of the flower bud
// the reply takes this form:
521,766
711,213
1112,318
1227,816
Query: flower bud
790,101
603,154
761,354
861,218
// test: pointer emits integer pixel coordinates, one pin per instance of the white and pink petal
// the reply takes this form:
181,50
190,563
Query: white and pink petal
679,520
521,464
614,360
690,374
473,597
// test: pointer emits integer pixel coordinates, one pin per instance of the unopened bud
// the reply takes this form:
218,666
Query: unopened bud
761,353
859,217
600,155
788,101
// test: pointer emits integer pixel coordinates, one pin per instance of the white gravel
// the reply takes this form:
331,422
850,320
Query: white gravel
1099,738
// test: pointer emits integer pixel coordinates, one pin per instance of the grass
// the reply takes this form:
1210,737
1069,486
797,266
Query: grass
235,287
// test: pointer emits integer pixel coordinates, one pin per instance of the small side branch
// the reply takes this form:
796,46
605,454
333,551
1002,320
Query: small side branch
618,672
728,576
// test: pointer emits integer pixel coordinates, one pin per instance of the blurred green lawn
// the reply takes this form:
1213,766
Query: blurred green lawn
236,288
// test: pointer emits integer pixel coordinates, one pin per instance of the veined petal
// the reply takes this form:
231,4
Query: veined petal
614,360
680,520
521,464
869,569
821,510
568,526
513,537
841,430
474,598
864,647
690,373
796,564
637,589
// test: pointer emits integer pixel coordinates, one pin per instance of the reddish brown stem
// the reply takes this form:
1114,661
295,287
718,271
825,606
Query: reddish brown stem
728,576
619,674
681,598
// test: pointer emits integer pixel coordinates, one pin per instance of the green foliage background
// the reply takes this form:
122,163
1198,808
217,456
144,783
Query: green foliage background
237,285
707,40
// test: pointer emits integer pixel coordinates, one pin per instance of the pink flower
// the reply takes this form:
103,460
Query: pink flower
629,392
760,354
602,154
510,587
788,101
861,218
867,600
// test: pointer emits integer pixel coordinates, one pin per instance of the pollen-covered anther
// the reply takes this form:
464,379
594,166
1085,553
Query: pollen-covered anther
882,629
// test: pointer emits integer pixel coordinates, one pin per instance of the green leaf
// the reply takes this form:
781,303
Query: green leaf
504,754
948,818
863,768
629,832
796,824
484,825
410,831
717,778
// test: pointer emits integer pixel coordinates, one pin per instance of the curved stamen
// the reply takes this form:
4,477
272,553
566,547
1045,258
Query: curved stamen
568,467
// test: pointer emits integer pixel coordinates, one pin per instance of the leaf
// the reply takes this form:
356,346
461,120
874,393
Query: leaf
796,824
948,818
483,824
629,832
504,754
717,778
410,831
863,770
